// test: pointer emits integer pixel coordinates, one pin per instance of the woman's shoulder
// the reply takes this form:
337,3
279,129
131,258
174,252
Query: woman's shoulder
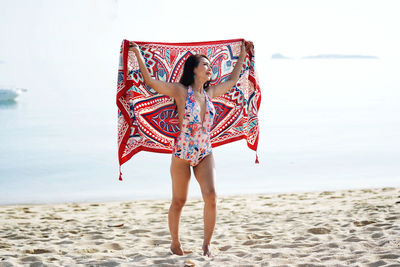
181,89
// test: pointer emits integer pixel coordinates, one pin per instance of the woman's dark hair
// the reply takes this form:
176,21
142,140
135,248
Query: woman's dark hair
188,75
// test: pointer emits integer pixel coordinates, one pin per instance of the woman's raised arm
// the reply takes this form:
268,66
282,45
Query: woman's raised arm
165,88
222,88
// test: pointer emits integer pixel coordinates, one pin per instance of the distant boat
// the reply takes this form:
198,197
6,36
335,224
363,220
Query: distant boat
9,94
279,56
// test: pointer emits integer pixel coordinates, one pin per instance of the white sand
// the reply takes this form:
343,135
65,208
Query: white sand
341,228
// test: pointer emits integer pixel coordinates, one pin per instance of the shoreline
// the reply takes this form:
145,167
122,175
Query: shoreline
321,228
105,200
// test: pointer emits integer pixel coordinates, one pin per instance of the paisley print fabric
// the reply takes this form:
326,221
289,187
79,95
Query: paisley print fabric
148,121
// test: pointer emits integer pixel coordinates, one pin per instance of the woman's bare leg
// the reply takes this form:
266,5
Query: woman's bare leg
205,175
180,175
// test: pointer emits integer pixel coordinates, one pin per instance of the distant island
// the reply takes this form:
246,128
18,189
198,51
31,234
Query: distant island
339,56
279,56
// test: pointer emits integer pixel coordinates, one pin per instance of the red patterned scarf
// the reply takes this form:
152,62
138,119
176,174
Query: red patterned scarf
148,120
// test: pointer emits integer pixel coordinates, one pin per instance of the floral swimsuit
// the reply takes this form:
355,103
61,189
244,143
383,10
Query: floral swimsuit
193,143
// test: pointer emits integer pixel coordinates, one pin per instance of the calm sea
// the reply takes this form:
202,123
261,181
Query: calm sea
325,124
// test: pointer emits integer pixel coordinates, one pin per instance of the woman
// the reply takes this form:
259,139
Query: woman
193,147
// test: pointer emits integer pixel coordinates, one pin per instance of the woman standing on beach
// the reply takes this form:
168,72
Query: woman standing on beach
193,146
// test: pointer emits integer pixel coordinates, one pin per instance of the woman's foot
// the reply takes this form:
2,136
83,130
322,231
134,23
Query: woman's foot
207,250
176,249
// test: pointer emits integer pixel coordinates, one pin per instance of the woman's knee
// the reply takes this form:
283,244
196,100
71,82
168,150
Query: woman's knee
178,203
210,196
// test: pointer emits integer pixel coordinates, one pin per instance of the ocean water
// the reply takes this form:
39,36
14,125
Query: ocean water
325,124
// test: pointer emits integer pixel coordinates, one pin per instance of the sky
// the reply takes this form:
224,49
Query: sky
75,44
333,118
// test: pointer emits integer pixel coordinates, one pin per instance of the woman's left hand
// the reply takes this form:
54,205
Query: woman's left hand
247,46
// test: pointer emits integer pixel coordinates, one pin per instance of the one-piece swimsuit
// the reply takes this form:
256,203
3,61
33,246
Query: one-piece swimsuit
193,143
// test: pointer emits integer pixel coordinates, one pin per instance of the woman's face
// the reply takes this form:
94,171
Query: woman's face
203,70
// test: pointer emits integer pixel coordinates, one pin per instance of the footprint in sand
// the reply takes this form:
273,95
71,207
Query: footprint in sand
253,242
66,242
103,263
87,250
319,231
377,235
362,223
225,248
38,251
51,218
393,218
373,229
332,245
139,231
241,253
99,237
276,255
16,237
114,246
353,239
301,238
389,256
161,233
377,264
4,245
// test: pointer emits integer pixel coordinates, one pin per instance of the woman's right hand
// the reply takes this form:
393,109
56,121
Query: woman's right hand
133,46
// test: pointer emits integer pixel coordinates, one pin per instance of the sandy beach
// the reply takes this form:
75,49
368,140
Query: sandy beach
330,228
